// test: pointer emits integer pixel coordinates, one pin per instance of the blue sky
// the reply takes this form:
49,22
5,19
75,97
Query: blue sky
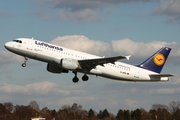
102,27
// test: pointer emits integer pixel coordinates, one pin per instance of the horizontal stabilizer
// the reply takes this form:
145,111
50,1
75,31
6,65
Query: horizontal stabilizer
160,75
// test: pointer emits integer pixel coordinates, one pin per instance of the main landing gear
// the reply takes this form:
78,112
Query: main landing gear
76,79
25,61
85,77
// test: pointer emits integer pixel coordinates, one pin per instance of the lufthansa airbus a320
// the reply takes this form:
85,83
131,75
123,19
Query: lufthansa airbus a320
62,60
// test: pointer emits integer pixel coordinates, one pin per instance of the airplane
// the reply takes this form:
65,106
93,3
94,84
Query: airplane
62,60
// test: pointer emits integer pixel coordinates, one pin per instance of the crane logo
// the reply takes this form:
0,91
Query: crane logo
159,59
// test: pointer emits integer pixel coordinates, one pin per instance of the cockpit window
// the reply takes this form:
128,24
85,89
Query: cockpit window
19,41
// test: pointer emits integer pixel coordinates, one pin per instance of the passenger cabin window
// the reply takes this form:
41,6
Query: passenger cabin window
18,41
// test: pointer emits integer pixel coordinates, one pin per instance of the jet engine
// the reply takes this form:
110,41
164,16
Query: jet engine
70,64
55,68
67,63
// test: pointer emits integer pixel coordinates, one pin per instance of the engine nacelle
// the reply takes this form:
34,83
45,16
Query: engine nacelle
55,68
70,64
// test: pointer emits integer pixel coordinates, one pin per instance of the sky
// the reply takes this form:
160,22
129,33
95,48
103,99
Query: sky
102,27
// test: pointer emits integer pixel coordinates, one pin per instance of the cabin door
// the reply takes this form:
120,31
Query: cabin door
137,72
30,45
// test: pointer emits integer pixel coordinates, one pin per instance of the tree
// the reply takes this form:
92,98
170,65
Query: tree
106,113
160,112
145,115
63,114
112,116
100,114
72,112
9,106
126,114
33,104
53,113
157,106
136,114
45,112
2,111
90,113
103,114
120,115
23,112
174,108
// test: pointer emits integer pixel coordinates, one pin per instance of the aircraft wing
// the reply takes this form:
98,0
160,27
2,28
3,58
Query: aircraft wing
92,63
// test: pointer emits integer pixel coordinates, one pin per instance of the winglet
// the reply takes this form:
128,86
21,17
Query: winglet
127,57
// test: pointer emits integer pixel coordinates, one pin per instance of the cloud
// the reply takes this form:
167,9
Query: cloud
134,90
43,13
78,10
89,95
82,43
133,48
75,5
53,95
116,47
106,102
170,89
87,15
8,57
169,8
70,100
41,88
165,91
131,103
4,13
175,80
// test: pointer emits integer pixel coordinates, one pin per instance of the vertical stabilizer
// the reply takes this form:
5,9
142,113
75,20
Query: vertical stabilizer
156,62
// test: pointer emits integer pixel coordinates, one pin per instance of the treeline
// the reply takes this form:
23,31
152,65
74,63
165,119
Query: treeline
76,112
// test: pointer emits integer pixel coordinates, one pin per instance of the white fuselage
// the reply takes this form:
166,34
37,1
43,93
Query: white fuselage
47,52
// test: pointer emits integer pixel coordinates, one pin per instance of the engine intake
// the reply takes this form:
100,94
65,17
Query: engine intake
70,64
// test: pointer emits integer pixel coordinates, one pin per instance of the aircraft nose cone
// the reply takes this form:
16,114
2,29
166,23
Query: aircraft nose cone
7,45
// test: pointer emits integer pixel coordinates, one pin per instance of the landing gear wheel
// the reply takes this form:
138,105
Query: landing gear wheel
75,79
24,65
85,78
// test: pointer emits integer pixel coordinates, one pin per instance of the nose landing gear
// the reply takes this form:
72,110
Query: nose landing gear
25,61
